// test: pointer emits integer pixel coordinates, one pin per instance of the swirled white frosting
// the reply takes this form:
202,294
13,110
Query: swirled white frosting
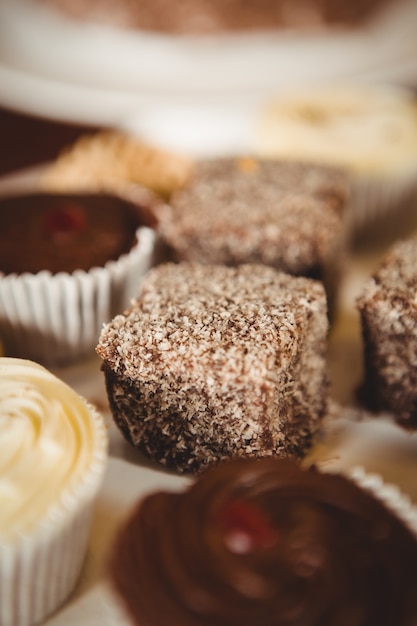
50,441
371,130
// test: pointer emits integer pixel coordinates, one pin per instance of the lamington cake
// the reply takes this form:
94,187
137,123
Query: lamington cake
242,210
388,310
212,362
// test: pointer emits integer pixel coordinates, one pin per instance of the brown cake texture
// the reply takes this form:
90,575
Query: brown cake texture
388,311
265,542
288,215
65,232
213,361
220,16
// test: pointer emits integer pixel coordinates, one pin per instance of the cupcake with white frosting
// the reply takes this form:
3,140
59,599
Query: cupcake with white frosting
371,130
53,452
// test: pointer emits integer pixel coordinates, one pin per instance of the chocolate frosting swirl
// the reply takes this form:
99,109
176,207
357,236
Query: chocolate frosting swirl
65,232
264,542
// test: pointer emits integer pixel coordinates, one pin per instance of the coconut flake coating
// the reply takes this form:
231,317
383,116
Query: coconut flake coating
241,210
213,361
388,309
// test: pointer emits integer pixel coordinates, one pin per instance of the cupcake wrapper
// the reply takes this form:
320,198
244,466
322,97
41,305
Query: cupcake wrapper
375,198
389,494
57,318
37,576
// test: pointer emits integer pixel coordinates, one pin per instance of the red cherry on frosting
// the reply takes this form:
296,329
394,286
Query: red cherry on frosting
245,527
64,221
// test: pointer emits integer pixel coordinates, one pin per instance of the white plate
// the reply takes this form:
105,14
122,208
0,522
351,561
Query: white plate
159,85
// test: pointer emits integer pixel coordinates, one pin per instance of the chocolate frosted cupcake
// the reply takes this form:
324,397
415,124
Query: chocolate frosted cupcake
265,542
213,361
68,263
388,312
53,453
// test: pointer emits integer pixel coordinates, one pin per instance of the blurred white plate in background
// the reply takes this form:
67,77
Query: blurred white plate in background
170,88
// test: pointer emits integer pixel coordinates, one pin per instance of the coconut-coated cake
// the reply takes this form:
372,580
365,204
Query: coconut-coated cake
213,361
388,313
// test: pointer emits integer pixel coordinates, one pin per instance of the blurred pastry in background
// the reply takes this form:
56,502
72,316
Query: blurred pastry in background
369,129
102,160
53,453
68,263
388,310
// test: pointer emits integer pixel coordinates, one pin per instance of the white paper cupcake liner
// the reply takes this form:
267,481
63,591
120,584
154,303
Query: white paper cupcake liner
56,319
392,496
374,199
38,575
40,568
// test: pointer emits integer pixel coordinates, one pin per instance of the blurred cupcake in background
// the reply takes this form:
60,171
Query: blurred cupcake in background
371,130
53,453
68,263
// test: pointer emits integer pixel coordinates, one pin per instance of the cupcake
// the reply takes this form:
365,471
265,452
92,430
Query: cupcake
211,362
368,129
388,314
68,263
266,542
53,452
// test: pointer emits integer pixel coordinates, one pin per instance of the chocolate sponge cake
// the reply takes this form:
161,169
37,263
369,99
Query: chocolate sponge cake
212,362
388,310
